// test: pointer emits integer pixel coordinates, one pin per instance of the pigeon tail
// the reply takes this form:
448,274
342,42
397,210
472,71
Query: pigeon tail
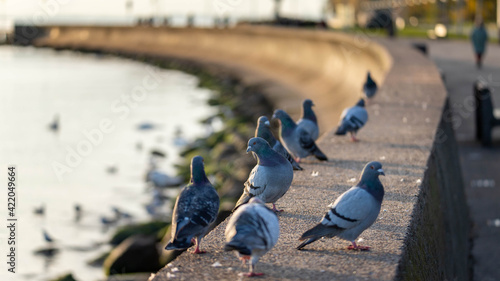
341,130
245,197
238,246
319,154
321,230
296,165
178,245
292,161
307,242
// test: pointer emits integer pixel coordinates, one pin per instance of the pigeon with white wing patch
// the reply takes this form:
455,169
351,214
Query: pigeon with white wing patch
263,130
252,231
309,122
296,139
270,179
353,212
195,210
352,119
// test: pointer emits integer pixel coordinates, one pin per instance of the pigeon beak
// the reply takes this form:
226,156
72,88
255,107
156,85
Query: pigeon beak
381,172
267,123
249,148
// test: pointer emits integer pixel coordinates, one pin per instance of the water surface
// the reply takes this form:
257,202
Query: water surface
100,102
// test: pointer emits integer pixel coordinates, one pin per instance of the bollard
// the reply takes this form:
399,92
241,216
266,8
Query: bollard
485,120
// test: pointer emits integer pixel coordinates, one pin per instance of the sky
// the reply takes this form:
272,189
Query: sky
49,10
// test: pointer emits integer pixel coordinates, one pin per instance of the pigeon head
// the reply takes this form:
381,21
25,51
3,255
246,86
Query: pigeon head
257,145
265,154
369,79
308,113
263,121
264,131
308,103
372,170
370,181
287,123
198,175
361,103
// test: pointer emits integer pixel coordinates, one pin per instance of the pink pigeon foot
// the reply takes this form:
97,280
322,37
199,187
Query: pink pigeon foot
197,250
297,159
276,210
353,138
358,247
252,274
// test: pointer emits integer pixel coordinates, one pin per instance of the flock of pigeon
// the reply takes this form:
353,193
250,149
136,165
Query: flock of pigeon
254,228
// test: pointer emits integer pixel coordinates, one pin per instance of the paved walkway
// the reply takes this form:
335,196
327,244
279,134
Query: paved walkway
481,166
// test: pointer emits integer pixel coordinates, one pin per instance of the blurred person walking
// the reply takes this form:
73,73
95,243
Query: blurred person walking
479,37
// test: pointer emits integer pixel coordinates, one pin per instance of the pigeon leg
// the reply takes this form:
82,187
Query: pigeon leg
244,259
297,159
353,137
354,246
197,250
251,273
276,210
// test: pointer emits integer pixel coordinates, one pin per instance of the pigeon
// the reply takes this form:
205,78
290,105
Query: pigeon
39,210
270,179
47,237
308,120
158,153
145,126
264,131
54,126
160,179
370,87
195,210
352,119
296,139
252,231
119,214
107,221
353,212
78,212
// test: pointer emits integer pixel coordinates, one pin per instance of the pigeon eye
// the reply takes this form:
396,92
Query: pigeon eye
254,142
371,167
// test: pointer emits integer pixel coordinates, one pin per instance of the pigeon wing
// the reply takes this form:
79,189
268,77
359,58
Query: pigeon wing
350,209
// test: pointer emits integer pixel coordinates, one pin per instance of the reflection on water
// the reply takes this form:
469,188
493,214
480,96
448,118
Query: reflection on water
80,130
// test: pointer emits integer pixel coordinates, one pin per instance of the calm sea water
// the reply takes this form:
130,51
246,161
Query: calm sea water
100,102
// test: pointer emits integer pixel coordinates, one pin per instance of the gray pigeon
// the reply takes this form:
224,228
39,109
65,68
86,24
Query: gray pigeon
352,119
353,212
370,87
195,210
263,130
270,179
296,140
252,231
308,120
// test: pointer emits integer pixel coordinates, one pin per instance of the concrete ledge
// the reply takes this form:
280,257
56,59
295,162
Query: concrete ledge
404,126
405,133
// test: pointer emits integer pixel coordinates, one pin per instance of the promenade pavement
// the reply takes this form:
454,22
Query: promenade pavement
480,166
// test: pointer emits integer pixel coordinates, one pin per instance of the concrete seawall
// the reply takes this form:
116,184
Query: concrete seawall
422,230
